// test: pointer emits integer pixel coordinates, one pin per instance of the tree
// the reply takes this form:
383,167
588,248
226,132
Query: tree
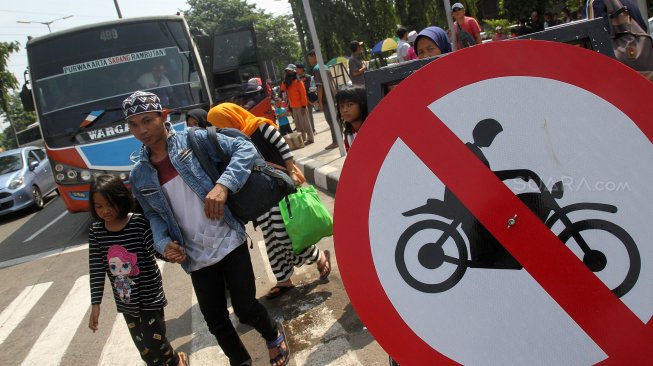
7,79
516,9
276,36
339,22
18,117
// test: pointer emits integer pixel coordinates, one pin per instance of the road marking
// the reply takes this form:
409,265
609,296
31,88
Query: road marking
56,337
49,253
19,308
45,227
119,349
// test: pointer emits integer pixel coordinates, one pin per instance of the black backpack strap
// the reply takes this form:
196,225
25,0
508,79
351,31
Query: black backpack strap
201,154
213,141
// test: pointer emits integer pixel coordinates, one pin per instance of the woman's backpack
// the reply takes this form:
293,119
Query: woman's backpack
631,44
265,187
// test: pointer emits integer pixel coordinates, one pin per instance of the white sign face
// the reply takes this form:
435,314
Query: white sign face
504,316
502,216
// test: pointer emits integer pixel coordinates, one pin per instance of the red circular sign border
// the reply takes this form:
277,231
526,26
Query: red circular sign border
603,79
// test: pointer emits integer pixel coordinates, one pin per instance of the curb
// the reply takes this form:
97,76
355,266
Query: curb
320,174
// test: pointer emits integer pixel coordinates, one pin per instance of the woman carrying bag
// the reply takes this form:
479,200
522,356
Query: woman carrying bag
273,148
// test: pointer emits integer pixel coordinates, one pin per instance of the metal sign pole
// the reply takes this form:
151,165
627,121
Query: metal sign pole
454,33
324,76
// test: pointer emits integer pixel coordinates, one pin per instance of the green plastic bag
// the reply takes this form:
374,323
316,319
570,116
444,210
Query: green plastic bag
305,217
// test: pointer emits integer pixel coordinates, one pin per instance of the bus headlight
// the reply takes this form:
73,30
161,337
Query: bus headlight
69,175
16,182
85,175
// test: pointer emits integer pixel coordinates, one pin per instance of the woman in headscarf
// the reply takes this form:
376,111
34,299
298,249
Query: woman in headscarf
431,41
196,118
273,147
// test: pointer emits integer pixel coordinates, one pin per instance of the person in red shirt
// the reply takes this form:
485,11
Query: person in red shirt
464,24
297,100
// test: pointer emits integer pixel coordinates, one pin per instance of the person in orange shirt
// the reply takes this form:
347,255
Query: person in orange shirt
297,100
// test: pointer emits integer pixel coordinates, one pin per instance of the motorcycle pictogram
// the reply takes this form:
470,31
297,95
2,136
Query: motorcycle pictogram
485,251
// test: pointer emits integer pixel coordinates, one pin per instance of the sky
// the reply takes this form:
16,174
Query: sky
84,12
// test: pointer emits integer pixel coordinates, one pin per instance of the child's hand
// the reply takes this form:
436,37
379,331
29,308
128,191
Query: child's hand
94,320
174,252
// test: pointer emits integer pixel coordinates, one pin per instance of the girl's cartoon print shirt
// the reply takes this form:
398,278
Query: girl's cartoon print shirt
127,257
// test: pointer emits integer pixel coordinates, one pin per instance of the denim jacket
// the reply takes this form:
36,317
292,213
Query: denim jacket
147,189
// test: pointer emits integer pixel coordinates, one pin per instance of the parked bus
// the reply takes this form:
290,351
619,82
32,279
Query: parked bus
80,77
30,136
235,71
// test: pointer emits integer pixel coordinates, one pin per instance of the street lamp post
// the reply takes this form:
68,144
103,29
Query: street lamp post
44,23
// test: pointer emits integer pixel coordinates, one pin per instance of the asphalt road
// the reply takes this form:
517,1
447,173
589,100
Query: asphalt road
44,304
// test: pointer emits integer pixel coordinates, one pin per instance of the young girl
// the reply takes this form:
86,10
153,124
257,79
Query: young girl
120,245
352,111
282,117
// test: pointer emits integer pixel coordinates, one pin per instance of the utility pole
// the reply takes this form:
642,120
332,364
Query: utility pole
323,74
450,22
118,9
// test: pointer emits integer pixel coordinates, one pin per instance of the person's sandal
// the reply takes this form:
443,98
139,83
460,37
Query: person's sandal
183,359
283,353
325,269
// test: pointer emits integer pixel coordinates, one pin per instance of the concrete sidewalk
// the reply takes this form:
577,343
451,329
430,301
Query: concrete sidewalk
321,167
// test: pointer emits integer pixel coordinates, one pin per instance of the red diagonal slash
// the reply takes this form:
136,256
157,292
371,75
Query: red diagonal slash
605,318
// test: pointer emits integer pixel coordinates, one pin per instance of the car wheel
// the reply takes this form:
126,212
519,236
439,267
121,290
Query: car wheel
37,197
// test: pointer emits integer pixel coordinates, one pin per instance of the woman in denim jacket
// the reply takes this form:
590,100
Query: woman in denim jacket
192,225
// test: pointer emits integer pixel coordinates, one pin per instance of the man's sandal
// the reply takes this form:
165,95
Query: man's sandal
183,359
284,353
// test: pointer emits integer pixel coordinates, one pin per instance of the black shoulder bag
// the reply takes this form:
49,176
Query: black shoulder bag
265,186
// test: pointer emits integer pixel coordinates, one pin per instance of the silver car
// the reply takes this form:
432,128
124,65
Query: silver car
25,178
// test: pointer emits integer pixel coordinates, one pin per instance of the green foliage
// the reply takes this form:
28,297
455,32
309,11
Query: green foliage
277,41
419,14
493,23
18,117
515,9
276,36
339,22
7,79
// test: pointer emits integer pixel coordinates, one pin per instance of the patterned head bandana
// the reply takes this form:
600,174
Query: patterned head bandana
141,102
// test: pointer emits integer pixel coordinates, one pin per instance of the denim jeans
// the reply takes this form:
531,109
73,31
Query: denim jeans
209,283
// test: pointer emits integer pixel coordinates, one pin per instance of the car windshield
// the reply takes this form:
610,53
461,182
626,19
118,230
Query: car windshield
10,163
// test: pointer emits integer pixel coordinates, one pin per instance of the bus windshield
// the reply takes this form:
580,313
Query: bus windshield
94,69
